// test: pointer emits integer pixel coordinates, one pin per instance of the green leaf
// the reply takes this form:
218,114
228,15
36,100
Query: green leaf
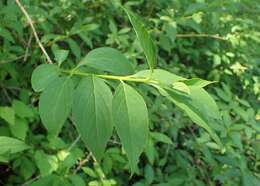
46,163
20,128
75,49
131,121
27,168
197,82
161,137
7,113
180,86
200,107
22,110
11,145
108,59
162,76
6,34
144,39
60,55
91,112
43,75
55,104
76,180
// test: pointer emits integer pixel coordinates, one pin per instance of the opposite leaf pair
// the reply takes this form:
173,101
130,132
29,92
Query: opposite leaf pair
95,111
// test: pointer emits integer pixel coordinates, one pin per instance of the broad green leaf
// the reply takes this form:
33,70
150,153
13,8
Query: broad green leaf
197,82
144,38
46,163
44,75
7,113
161,137
108,59
22,110
131,121
55,104
91,112
11,145
199,106
161,76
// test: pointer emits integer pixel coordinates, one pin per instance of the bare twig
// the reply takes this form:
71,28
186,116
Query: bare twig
34,31
7,95
28,47
200,35
82,162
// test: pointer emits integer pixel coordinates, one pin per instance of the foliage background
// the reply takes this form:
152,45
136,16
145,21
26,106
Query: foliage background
215,40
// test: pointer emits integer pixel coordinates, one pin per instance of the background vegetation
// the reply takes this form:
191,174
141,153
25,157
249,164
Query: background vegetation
217,40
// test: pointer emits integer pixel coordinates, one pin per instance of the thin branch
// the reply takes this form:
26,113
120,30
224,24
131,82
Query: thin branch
28,47
33,30
200,35
7,95
82,162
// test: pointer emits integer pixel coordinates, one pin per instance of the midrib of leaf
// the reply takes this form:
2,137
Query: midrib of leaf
96,128
130,128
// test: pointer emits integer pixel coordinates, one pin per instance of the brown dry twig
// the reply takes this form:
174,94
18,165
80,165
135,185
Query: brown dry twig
33,30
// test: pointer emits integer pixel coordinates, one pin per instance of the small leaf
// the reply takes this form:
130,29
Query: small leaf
108,59
22,110
144,39
7,113
75,49
20,128
161,137
60,55
197,82
130,116
77,180
55,104
11,145
91,112
6,34
43,75
46,163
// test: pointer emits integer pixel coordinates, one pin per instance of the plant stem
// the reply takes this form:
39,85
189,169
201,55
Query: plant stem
104,76
200,35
